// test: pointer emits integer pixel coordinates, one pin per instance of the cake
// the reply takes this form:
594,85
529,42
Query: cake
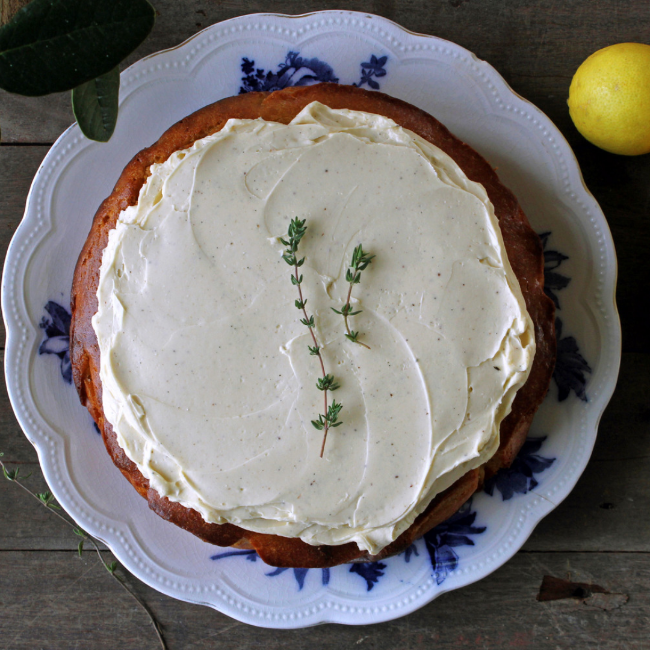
190,356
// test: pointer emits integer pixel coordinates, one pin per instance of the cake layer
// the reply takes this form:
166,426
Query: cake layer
207,380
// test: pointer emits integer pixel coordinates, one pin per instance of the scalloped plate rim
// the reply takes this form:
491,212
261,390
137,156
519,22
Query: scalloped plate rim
326,615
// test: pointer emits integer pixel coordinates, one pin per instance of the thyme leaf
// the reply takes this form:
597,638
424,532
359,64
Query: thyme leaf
46,499
359,262
329,417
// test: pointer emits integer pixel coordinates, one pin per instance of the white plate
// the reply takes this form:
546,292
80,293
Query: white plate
469,97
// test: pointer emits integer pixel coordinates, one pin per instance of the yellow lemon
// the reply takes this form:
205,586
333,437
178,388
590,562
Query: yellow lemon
609,99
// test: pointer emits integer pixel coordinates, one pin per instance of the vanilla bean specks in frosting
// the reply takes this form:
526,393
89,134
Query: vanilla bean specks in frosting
206,378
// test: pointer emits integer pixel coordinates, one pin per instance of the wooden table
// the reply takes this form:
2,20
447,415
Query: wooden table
51,599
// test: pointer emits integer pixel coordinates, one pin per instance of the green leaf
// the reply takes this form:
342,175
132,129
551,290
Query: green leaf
47,499
14,474
333,411
95,106
327,383
80,547
111,567
55,45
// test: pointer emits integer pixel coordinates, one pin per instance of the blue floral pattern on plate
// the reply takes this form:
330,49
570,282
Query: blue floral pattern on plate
296,70
57,336
369,571
441,541
519,478
298,574
570,366
370,69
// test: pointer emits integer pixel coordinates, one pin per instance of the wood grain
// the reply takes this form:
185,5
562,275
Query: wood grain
78,606
24,523
535,45
599,535
17,168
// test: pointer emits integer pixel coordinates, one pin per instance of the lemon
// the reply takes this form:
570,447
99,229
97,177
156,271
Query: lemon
609,99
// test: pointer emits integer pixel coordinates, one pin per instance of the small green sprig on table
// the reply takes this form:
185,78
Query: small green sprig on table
360,262
46,499
328,419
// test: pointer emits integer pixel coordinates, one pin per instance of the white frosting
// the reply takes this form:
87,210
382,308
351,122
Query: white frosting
207,380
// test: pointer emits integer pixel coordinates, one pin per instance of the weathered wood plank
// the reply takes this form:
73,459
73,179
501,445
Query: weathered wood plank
34,120
536,46
620,185
610,505
18,165
13,442
79,606
609,510
24,522
562,35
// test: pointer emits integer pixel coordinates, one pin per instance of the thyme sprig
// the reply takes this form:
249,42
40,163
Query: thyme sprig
328,421
46,499
360,262
329,417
